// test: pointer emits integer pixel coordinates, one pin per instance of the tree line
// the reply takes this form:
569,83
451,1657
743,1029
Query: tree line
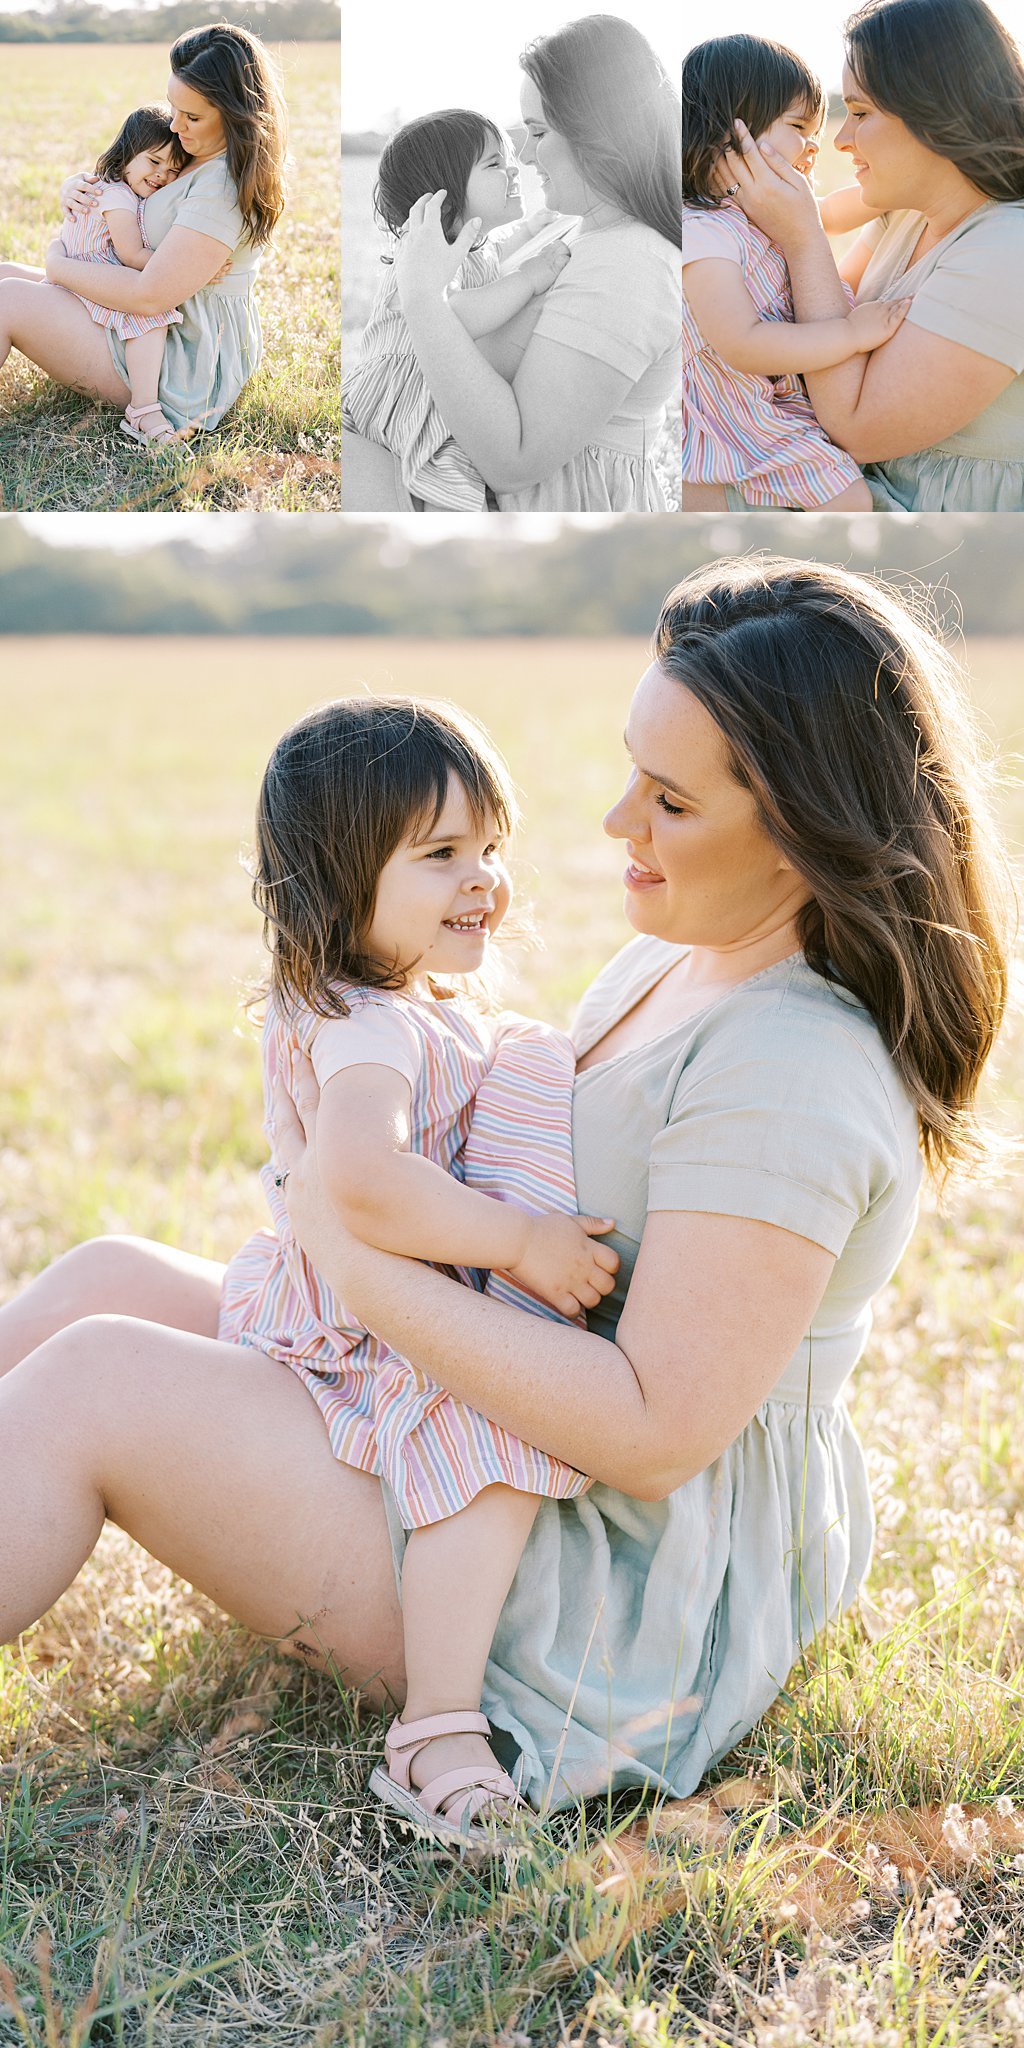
296,576
79,21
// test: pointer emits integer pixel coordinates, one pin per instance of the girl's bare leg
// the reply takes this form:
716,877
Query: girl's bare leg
23,270
124,1276
455,1577
704,498
216,1460
144,354
54,330
855,498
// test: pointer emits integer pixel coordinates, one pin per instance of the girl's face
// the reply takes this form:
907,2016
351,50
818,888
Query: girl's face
893,169
797,137
492,188
565,188
195,122
702,871
442,895
149,170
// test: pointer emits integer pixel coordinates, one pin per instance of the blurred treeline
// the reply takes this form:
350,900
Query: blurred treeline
78,21
291,574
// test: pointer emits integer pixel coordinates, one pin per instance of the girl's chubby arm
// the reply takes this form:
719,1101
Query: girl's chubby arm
398,1201
488,306
126,235
716,1307
731,324
525,231
844,211
185,261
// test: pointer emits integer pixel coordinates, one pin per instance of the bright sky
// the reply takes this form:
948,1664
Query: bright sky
464,54
810,27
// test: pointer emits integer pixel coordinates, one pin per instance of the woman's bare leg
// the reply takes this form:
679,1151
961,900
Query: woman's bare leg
118,1276
55,331
217,1461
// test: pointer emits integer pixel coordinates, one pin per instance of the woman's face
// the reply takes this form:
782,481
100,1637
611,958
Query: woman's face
492,189
565,188
702,870
892,168
195,122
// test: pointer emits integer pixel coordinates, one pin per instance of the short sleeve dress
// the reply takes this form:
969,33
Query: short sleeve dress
218,344
87,237
758,434
970,289
641,1640
618,301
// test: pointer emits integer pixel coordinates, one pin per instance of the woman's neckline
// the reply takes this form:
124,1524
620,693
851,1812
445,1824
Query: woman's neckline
722,994
985,206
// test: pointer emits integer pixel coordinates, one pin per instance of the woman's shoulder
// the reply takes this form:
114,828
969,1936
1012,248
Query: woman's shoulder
630,242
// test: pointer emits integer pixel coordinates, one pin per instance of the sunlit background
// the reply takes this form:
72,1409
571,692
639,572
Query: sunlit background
816,31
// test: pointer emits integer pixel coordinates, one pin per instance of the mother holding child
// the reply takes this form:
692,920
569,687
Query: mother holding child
495,374
592,1548
909,395
148,296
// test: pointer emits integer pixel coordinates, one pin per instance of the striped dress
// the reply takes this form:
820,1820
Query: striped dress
87,237
493,1107
757,433
385,397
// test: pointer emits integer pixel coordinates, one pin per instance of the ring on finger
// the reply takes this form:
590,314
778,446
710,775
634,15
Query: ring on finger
280,1178
731,191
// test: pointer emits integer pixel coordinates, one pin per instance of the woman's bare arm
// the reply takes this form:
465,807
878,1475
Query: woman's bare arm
181,266
716,1308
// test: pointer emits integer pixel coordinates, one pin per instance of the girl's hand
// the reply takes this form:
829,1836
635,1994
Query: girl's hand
563,1264
55,260
425,263
876,321
543,269
779,200
80,193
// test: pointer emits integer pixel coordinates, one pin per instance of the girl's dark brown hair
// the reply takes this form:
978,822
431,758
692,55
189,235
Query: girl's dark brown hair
433,153
730,79
849,722
146,128
954,76
233,70
342,790
603,88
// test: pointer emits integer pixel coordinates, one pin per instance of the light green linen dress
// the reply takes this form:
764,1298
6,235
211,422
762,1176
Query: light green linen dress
641,1640
213,353
619,300
970,289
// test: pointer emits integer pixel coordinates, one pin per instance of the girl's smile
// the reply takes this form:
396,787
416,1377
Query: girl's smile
797,137
150,170
492,188
442,895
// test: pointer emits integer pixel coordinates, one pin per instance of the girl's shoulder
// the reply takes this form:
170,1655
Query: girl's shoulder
719,231
114,195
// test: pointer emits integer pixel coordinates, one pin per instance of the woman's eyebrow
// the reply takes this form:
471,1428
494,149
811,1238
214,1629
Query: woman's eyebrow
665,780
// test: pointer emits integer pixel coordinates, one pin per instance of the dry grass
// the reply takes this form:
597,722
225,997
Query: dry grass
183,1817
278,448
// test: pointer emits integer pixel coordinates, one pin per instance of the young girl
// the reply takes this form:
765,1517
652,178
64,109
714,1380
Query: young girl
384,396
144,155
379,871
747,420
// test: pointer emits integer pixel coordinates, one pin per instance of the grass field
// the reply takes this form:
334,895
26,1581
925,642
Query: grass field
278,448
362,243
183,1822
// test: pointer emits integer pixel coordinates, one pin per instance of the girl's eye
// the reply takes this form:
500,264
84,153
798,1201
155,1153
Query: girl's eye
674,810
441,853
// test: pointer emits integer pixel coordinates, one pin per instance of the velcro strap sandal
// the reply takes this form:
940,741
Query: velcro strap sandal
132,426
454,1806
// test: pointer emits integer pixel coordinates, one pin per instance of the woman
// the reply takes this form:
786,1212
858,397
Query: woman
817,977
934,92
561,410
208,228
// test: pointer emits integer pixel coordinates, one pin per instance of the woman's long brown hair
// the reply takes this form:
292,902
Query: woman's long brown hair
850,723
233,70
603,88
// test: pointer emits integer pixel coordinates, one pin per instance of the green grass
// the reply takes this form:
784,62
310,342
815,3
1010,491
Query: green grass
278,448
183,1815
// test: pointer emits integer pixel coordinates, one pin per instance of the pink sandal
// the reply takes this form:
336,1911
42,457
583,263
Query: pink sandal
131,425
448,1805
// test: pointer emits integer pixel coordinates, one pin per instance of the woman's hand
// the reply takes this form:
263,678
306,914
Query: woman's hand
779,200
425,263
80,193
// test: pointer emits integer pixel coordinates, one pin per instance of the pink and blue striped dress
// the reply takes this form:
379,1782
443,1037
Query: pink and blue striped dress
759,434
87,236
491,1104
